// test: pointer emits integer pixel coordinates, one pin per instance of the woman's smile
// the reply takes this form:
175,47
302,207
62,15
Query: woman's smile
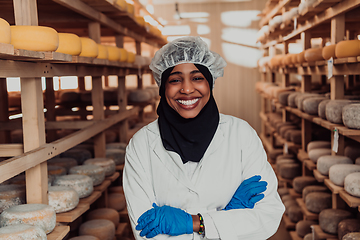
188,103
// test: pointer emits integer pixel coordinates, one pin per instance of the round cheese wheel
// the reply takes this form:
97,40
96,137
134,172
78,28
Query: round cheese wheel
100,228
69,43
123,55
84,237
330,218
66,163
318,144
139,95
351,236
62,198
103,52
313,188
329,52
295,214
116,145
106,163
291,99
352,152
82,184
283,161
40,215
322,108
349,48
351,116
352,184
130,8
116,201
96,173
299,183
313,54
117,155
113,53
283,97
80,155
295,136
283,129
131,57
348,225
5,36
314,154
286,198
303,227
301,57
300,99
56,170
290,170
325,162
317,201
34,38
311,105
104,213
22,232
281,124
333,110
12,195
338,172
308,236
272,154
89,47
288,203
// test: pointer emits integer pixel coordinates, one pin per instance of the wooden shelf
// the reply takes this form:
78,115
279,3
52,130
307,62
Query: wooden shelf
58,233
70,216
333,188
318,176
102,187
302,155
320,234
91,199
350,200
309,164
113,177
307,214
294,194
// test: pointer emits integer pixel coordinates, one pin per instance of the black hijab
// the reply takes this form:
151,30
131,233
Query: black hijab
188,137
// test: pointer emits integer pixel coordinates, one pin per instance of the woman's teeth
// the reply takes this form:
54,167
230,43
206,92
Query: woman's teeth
188,102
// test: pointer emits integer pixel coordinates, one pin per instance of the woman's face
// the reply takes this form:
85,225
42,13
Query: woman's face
187,90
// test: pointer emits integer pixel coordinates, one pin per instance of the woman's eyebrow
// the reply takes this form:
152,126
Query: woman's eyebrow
173,73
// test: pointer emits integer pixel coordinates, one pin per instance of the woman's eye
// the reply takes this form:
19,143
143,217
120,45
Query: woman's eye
198,78
174,80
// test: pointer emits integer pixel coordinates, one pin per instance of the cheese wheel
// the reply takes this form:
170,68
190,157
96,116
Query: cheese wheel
100,228
66,163
103,52
56,170
116,145
104,213
295,136
349,48
113,53
139,95
348,225
106,163
40,215
301,57
329,52
283,191
352,152
314,154
5,32
294,58
12,195
301,97
291,99
317,201
283,161
351,116
272,154
84,237
22,232
116,201
284,129
130,8
287,197
357,161
351,236
89,47
322,108
311,105
290,170
308,236
338,172
123,55
333,110
299,183
325,162
294,213
289,203
352,184
117,155
283,98
62,198
82,184
285,156
34,38
330,218
313,188
80,155
131,57
318,144
303,227
96,173
69,44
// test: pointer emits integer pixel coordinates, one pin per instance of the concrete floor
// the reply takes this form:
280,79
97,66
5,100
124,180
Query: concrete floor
281,234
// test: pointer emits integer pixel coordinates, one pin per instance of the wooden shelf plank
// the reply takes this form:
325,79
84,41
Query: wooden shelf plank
91,199
58,233
320,234
310,165
307,214
113,177
294,194
302,155
102,187
289,225
70,216
350,200
295,236
333,188
11,150
319,177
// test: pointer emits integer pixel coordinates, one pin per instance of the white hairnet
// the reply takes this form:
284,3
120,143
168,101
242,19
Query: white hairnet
186,50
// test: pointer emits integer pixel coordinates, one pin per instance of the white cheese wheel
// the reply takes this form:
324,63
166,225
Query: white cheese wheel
314,154
62,198
104,213
318,144
352,184
116,201
351,236
106,163
89,47
103,52
313,54
299,183
317,201
349,48
352,151
290,170
80,155
118,155
303,227
84,237
123,55
100,228
113,53
5,32
34,38
116,145
139,95
96,173
351,116
325,162
311,105
295,214
56,170
22,232
348,225
333,110
329,52
338,172
69,43
82,184
66,163
131,57
12,195
313,188
330,218
40,215
322,108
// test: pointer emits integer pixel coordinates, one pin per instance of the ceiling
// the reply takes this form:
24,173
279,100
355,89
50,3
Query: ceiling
194,1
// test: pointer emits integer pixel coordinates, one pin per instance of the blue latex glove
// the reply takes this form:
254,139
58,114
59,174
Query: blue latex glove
164,220
248,193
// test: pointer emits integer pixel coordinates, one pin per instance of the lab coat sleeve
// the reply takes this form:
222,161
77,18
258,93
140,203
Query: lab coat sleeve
263,220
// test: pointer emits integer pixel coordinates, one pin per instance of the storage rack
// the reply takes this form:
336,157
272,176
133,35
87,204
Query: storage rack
326,19
85,18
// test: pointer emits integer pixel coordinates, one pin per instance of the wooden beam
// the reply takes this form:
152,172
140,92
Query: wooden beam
4,110
337,28
25,12
122,102
68,124
95,31
11,150
50,107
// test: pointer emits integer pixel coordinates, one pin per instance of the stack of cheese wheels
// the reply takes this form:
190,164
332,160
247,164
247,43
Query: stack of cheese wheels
40,215
352,152
349,48
11,195
80,155
101,228
116,145
103,52
311,105
56,170
118,155
106,163
113,53
351,116
5,36
62,198
322,108
84,237
116,201
317,201
300,182
352,184
333,110
82,184
104,213
89,47
96,173
325,162
348,225
131,57
313,188
66,163
22,231
315,154
330,218
123,55
34,38
69,43
329,52
338,172
303,227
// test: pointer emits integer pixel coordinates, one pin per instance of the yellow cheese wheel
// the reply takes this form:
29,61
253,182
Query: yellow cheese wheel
294,58
89,47
131,57
287,59
301,57
121,3
113,53
275,61
5,32
350,48
130,8
103,52
34,38
313,54
329,52
140,20
69,43
123,55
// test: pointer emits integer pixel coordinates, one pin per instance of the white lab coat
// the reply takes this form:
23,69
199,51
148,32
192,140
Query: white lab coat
154,175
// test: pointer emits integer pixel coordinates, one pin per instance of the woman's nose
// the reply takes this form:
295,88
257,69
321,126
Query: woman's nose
187,87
